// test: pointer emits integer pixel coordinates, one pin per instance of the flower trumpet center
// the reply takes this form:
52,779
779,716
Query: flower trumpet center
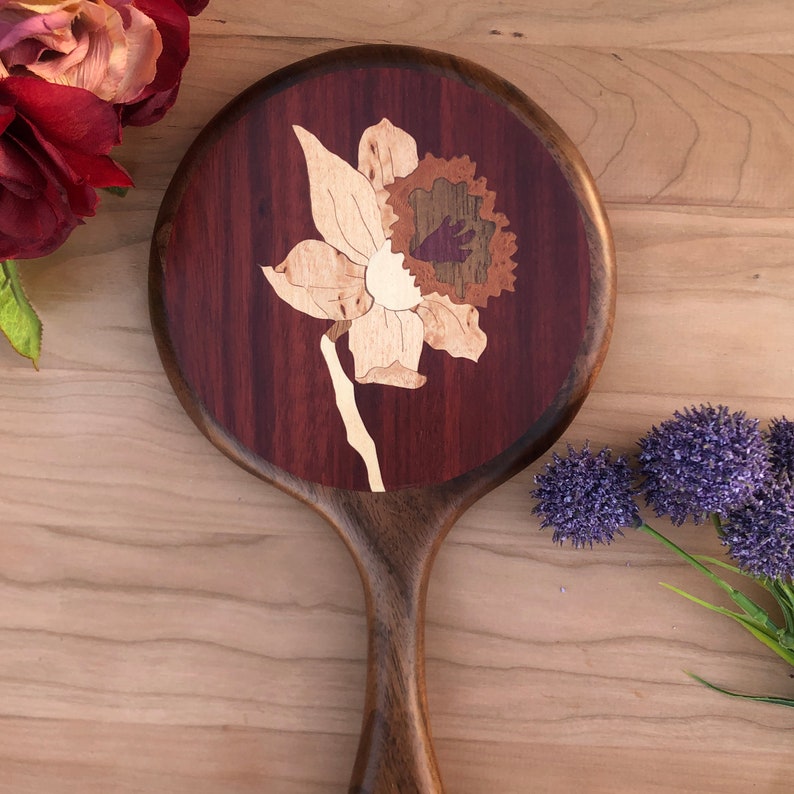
450,233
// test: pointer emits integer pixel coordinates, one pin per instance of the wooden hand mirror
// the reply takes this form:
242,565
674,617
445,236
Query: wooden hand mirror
382,280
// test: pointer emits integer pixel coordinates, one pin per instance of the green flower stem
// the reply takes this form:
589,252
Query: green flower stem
750,608
781,591
778,590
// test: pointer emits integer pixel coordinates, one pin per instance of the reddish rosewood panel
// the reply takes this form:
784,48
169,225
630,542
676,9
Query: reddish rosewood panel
255,361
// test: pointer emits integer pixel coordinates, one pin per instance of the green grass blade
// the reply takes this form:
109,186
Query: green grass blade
744,602
780,701
759,630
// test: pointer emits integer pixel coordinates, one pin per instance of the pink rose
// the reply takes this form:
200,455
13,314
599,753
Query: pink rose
109,48
130,53
54,144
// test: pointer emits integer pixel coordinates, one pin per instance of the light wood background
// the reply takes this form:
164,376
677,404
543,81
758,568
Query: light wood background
168,623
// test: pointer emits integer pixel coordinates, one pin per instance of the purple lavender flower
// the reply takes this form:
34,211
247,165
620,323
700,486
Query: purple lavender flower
761,534
705,460
586,498
780,438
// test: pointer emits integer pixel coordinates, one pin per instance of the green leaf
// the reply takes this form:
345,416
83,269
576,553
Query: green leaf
761,698
117,191
18,320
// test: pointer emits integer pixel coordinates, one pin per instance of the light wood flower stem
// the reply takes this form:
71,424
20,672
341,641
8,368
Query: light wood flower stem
357,434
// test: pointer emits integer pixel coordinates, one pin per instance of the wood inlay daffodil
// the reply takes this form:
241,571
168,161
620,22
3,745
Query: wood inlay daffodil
355,278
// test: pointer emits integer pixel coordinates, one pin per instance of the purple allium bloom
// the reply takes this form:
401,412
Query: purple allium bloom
780,438
586,498
761,534
705,460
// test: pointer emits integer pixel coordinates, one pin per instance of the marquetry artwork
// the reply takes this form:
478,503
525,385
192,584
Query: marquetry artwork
364,282
436,302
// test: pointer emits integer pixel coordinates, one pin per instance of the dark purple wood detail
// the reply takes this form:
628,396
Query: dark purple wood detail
254,361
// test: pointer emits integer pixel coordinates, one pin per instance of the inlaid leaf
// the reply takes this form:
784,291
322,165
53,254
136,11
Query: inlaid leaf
18,320
344,206
452,327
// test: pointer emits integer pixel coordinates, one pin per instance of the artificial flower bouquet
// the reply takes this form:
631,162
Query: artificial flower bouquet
704,464
72,74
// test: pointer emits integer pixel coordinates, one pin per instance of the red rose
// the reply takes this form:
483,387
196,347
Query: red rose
193,7
54,142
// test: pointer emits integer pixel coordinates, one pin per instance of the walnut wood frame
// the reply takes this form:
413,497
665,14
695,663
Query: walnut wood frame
394,536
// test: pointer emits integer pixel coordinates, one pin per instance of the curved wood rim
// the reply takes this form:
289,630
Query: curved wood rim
466,488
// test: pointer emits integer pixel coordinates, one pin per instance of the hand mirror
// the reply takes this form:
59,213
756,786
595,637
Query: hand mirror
383,281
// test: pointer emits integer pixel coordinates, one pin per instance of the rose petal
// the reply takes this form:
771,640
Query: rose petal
386,152
56,70
193,7
144,46
52,25
150,110
73,118
173,25
334,285
18,171
30,229
386,347
344,206
105,61
452,327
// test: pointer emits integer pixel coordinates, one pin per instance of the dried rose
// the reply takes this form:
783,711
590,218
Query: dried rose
109,48
54,142
130,53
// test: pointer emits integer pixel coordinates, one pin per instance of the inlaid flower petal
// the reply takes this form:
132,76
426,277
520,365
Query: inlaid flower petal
389,283
320,281
452,327
386,347
297,297
386,152
344,206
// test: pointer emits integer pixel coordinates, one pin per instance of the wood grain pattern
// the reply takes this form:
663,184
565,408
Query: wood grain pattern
756,26
168,624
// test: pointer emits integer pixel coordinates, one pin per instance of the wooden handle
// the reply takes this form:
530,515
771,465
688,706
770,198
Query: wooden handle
393,538
395,752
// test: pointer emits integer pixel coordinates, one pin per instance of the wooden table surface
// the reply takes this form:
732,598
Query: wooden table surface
168,623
